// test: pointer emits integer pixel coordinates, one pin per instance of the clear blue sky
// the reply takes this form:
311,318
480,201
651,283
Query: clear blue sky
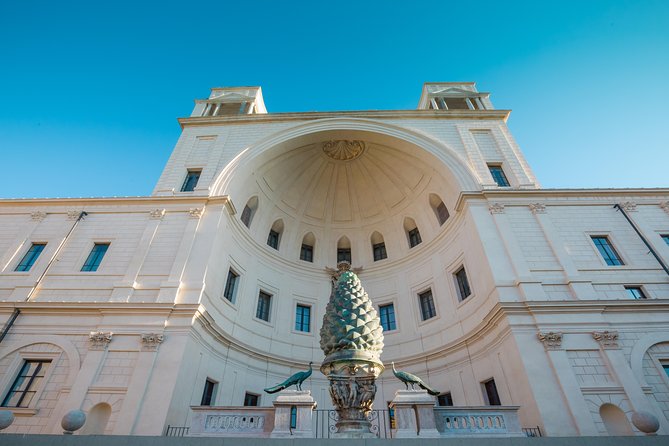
90,91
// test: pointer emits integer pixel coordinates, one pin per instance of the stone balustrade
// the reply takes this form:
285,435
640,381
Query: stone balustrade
209,421
478,421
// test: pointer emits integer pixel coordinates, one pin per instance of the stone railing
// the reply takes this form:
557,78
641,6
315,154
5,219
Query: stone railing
478,421
211,421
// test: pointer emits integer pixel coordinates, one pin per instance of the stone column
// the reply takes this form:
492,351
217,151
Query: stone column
304,404
414,414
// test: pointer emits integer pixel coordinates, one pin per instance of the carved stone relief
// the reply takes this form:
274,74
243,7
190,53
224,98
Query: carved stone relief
607,339
99,340
343,149
552,340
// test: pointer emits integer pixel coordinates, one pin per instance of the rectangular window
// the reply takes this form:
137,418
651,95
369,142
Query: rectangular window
344,255
26,383
492,397
307,253
95,257
264,302
635,292
251,399
463,284
387,315
414,237
427,310
498,175
445,399
31,256
665,237
231,285
303,318
209,392
273,239
607,251
191,180
379,250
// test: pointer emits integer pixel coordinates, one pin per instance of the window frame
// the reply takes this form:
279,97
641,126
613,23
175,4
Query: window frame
214,391
310,316
232,299
448,396
7,381
503,176
486,394
442,213
458,285
611,245
251,394
386,305
273,239
414,236
433,306
310,250
631,294
189,172
342,258
34,259
90,253
257,315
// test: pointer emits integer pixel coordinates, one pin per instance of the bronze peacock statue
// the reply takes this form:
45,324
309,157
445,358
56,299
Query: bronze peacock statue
295,380
409,378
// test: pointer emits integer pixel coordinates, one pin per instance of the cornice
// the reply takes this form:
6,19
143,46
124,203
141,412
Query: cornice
117,201
570,197
372,114
101,308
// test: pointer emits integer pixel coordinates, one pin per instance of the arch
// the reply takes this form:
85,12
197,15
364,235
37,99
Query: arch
307,248
59,341
615,420
640,349
378,246
249,211
97,419
274,236
465,178
412,232
344,249
439,208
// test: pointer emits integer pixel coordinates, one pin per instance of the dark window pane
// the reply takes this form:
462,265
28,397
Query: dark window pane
491,393
307,253
31,256
606,250
264,301
445,399
498,175
191,180
303,318
246,216
379,251
387,315
344,255
442,213
250,399
635,292
208,393
25,384
95,257
414,237
666,239
230,285
427,309
463,284
273,239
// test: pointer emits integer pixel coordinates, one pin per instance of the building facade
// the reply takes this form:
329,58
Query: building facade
494,290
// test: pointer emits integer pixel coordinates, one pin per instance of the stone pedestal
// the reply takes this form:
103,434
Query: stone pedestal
414,414
304,406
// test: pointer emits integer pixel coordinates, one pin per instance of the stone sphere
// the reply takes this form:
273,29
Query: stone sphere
645,422
73,420
6,419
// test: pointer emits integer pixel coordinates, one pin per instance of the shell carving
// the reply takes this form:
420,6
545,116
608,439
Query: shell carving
350,321
343,149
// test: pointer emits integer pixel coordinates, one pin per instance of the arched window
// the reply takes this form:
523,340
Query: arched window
439,208
615,420
96,419
413,235
274,236
378,246
307,248
344,250
249,211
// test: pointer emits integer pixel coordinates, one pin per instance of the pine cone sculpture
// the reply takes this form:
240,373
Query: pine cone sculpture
350,321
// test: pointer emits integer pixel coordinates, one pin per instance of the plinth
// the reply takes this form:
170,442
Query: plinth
293,411
414,414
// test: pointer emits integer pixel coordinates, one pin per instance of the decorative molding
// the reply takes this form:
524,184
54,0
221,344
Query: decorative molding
151,341
496,208
195,212
538,208
157,214
38,215
628,206
100,339
552,340
73,214
607,339
665,205
343,149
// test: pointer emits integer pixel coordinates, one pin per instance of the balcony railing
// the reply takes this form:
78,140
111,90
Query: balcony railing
481,421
